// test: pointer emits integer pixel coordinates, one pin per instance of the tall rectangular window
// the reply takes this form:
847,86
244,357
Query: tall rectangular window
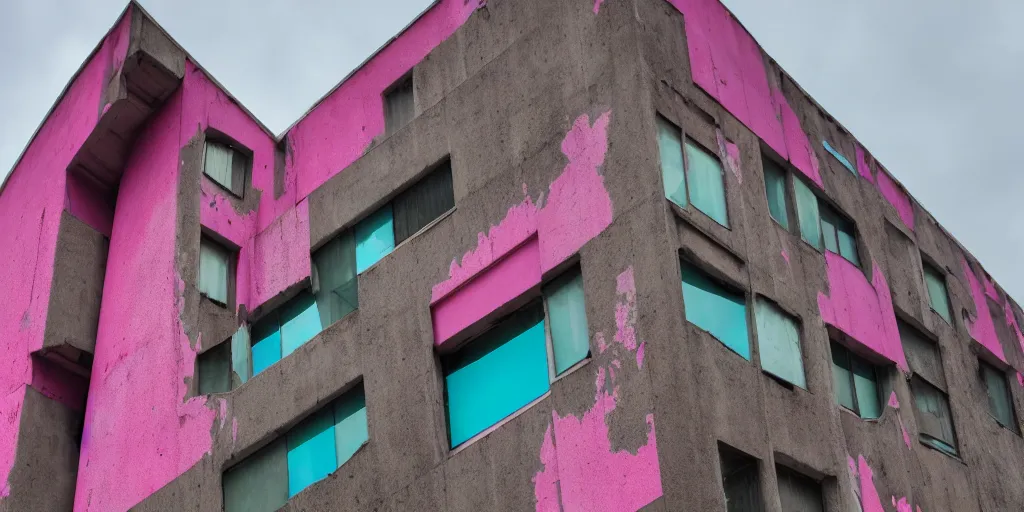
375,238
716,309
741,481
938,296
425,201
283,330
215,267
214,369
335,285
775,189
496,374
399,105
934,418
797,492
226,166
306,454
807,213
838,234
856,383
778,337
567,314
999,399
691,173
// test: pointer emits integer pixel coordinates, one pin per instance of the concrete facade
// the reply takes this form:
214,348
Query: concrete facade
547,110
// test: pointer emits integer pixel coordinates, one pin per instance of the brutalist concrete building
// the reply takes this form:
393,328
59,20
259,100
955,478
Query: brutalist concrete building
531,255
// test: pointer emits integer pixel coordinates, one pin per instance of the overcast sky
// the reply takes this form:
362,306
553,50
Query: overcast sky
932,88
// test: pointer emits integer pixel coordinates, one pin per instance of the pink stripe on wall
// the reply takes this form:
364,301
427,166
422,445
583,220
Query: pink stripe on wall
982,328
509,278
899,199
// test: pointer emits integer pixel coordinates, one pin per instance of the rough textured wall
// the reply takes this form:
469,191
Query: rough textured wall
30,213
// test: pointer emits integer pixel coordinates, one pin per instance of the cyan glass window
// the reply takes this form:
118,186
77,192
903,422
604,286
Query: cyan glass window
938,296
670,148
999,400
260,482
214,369
336,285
838,234
214,269
311,451
934,418
807,213
567,320
775,188
241,357
282,331
375,238
716,309
350,426
496,374
778,337
838,156
856,383
706,182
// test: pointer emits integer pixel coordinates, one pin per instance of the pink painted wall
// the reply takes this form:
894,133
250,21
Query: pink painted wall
581,471
981,326
143,357
1011,321
276,258
862,165
340,128
897,197
728,64
862,309
30,211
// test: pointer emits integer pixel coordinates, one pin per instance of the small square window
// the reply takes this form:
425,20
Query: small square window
226,165
399,105
215,271
797,492
856,383
934,418
775,189
778,336
716,309
938,296
214,369
741,481
999,399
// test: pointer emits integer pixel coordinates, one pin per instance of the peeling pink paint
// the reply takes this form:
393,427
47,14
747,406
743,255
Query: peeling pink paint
990,287
156,427
732,155
862,165
862,309
1011,320
577,209
576,453
343,125
895,404
597,6
1020,379
893,401
982,328
897,197
901,505
234,430
728,64
864,478
785,256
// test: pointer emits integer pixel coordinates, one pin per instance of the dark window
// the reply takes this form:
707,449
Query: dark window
923,355
999,400
399,105
425,201
214,369
933,416
335,284
797,492
740,481
226,166
775,189
856,383
215,271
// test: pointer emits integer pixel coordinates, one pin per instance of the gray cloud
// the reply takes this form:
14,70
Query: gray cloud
929,87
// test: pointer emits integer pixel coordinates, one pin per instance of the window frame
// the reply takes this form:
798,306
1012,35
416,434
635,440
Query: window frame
240,176
405,80
927,439
851,358
728,286
939,274
797,323
686,141
231,255
751,466
787,186
987,368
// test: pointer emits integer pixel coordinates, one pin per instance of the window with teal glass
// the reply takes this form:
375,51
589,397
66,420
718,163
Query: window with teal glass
241,356
807,213
999,399
283,330
778,337
496,374
716,309
567,320
670,148
938,296
306,454
934,418
375,238
706,182
837,234
335,285
213,369
856,383
775,188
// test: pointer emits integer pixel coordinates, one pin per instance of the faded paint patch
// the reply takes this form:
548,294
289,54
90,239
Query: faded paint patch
862,164
982,328
990,286
862,309
785,256
581,471
728,64
577,209
1011,320
732,155
897,197
863,477
597,6
902,505
895,404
